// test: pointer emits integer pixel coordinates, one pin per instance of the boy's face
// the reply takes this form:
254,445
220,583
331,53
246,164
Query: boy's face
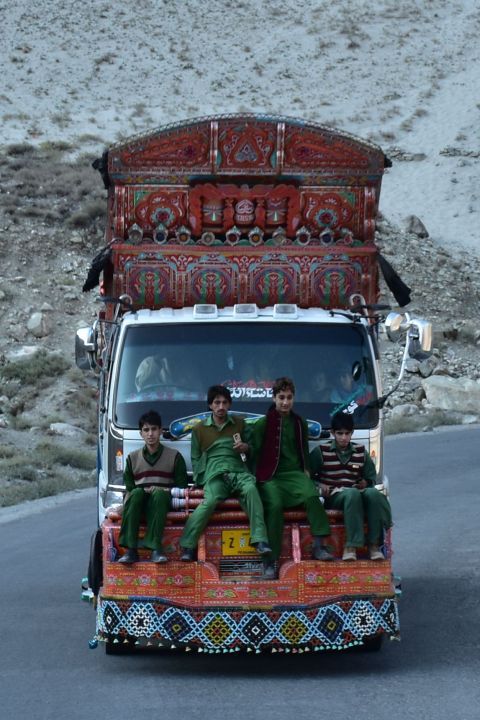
346,380
151,436
283,401
342,438
220,406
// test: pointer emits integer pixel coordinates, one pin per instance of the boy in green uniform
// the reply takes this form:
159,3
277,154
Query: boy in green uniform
149,475
280,443
347,476
219,466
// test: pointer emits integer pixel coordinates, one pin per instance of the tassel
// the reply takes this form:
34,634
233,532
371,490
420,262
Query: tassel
400,291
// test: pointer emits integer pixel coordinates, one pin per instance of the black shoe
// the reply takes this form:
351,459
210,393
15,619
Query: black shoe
320,552
269,572
158,556
131,556
262,548
188,555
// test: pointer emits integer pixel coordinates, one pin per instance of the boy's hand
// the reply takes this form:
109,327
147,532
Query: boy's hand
361,484
239,446
325,490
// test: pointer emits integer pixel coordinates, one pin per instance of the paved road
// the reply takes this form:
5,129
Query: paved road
48,672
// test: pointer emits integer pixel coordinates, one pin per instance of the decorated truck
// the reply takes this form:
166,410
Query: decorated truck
240,248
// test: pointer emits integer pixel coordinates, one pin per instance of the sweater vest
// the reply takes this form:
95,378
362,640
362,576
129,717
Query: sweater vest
338,474
160,473
272,444
208,434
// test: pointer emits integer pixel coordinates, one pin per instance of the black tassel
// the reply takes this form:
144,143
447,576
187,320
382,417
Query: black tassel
99,263
101,164
400,291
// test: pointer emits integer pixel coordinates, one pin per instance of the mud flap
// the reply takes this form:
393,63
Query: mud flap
95,564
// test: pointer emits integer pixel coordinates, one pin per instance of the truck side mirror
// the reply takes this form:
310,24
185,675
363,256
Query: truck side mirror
420,334
85,348
419,331
393,326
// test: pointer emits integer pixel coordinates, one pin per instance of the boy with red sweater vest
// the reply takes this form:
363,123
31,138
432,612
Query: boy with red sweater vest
280,441
347,476
149,475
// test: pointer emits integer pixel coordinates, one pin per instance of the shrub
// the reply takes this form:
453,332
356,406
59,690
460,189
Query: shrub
40,365
12,494
20,149
92,212
49,454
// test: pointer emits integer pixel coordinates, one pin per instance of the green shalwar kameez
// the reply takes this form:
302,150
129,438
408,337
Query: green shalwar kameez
154,506
222,474
289,486
355,504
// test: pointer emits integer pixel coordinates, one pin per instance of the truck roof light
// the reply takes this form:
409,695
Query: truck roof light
205,309
285,309
245,309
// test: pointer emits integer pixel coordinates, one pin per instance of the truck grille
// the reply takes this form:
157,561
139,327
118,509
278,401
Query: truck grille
241,568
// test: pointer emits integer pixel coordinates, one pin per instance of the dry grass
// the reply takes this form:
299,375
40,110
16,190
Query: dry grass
40,366
53,484
92,213
40,183
57,468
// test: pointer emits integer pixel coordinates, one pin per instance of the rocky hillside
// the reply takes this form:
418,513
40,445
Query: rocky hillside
51,225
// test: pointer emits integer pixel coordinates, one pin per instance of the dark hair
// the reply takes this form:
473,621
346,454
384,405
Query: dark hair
342,421
152,417
283,383
215,390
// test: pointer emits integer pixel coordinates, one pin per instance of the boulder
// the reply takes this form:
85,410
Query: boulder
67,430
23,353
427,366
456,394
405,410
415,225
40,324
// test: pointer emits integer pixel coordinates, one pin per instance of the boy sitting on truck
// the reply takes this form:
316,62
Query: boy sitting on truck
280,441
149,475
219,463
347,476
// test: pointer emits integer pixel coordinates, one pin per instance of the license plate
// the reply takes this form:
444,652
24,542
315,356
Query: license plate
236,542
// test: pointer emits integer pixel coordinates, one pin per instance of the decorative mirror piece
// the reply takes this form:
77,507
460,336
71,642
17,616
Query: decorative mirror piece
161,234
256,236
303,235
233,236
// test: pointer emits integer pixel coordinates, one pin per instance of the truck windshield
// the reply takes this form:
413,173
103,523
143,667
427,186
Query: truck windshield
169,368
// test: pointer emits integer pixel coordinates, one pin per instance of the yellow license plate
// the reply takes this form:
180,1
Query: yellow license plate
236,542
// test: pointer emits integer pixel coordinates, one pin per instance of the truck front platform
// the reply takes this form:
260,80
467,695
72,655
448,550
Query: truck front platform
221,603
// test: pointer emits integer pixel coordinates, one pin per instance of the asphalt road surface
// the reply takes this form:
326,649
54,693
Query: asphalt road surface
48,671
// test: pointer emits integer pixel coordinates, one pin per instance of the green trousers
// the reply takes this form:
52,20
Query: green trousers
287,490
241,485
154,506
356,505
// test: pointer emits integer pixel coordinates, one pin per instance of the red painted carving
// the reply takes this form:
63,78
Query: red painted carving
326,150
185,147
166,207
246,145
268,206
312,276
220,178
334,208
